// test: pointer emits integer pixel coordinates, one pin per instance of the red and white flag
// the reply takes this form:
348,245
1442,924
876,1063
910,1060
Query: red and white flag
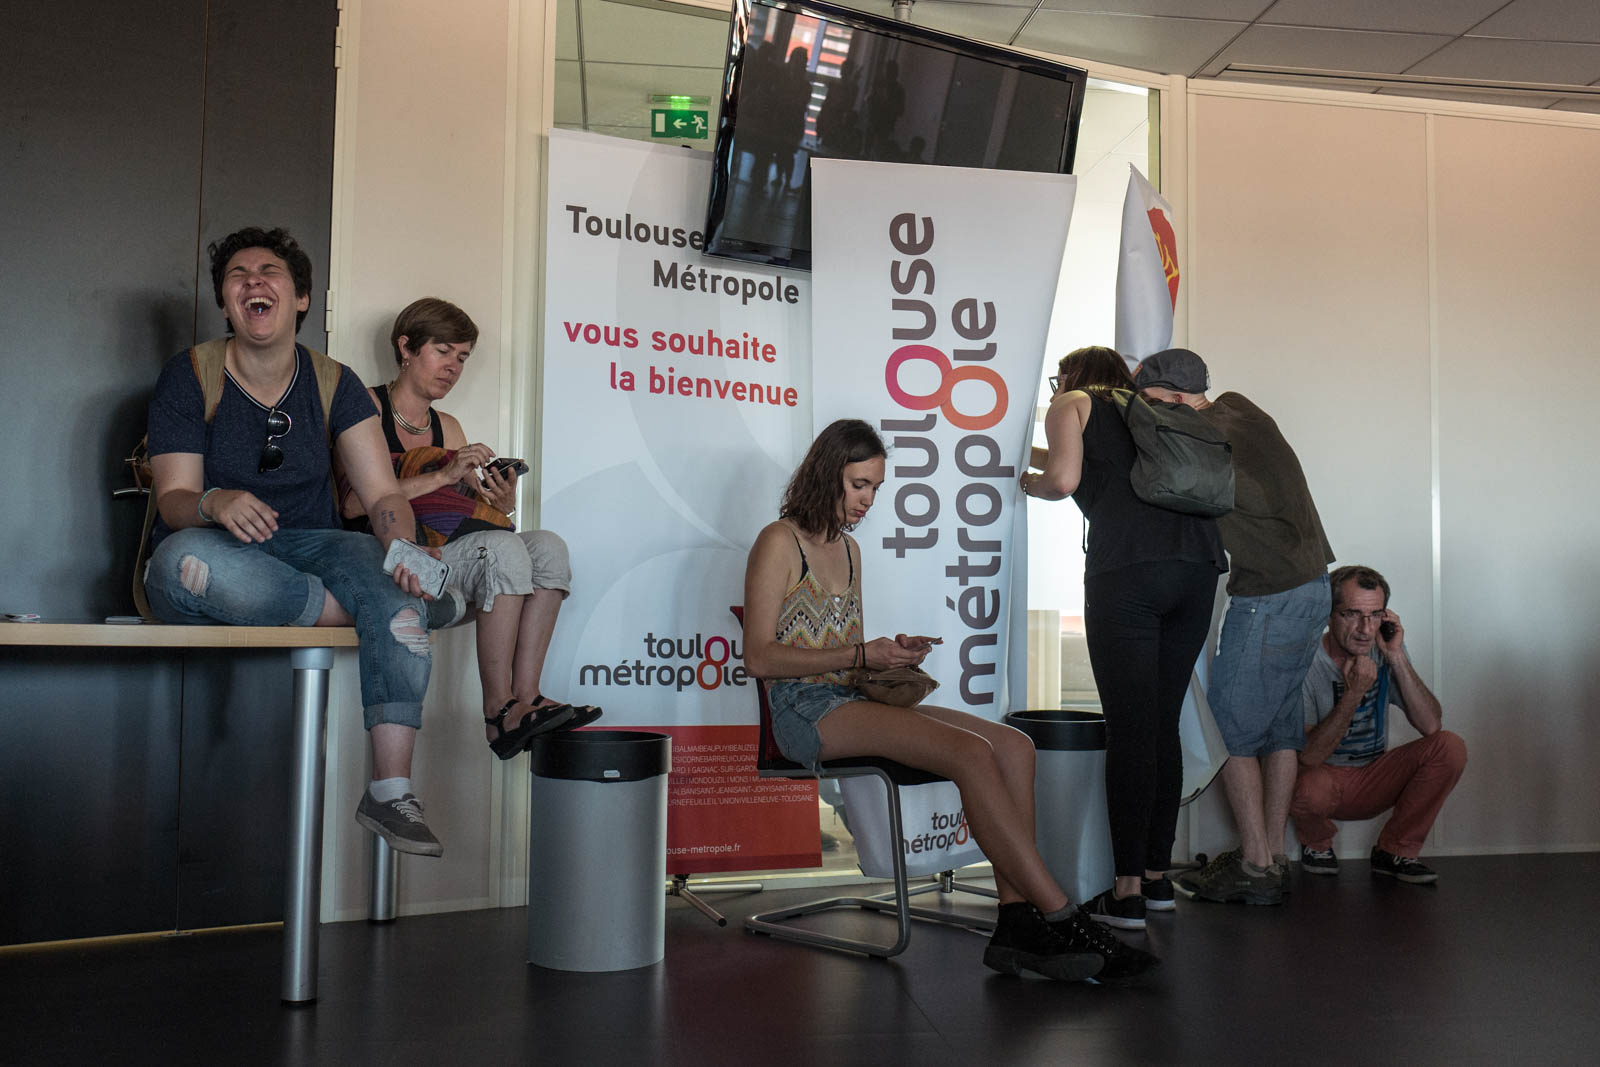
1147,272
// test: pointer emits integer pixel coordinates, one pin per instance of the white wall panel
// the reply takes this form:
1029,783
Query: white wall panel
1518,229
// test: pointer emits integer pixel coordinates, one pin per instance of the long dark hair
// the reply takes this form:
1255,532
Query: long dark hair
1094,369
811,501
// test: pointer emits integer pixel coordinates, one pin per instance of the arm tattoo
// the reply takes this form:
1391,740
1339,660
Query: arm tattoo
387,520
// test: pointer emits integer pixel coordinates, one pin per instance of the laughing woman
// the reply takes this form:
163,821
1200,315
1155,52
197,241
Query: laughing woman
804,634
516,580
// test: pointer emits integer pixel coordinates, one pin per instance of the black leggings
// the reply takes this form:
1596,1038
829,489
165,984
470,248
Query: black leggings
1145,624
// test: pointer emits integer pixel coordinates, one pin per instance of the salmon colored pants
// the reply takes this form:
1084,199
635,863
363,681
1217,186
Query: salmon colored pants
1413,779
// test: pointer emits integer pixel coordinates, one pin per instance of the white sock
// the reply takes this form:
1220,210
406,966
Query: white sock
384,790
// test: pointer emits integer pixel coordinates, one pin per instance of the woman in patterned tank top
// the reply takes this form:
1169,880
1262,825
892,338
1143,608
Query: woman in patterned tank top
804,634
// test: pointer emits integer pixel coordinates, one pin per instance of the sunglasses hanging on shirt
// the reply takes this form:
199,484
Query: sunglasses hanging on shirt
278,425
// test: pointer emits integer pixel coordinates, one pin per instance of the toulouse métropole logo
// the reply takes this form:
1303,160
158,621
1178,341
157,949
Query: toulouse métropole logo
674,663
969,556
946,830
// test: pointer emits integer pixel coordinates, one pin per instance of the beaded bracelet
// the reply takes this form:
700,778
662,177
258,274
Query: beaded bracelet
200,506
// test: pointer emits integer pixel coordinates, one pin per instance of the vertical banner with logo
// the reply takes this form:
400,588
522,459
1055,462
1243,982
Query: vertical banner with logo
932,290
1147,272
676,402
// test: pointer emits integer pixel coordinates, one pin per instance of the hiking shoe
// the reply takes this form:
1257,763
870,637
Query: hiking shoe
1318,860
1125,914
1225,880
1123,963
1157,893
1405,868
1024,941
400,823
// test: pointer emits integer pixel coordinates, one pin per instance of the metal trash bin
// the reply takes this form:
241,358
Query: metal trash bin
597,850
1069,794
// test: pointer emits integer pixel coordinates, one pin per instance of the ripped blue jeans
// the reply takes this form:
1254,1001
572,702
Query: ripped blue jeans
204,574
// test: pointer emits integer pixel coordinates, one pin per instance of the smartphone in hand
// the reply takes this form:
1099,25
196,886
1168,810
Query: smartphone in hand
1386,630
429,571
503,465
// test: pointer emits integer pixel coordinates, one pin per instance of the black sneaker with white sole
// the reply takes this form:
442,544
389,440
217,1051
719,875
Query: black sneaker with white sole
1405,868
1158,894
1024,941
1318,860
1125,914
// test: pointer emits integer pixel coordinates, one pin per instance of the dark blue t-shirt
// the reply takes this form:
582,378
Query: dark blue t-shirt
302,489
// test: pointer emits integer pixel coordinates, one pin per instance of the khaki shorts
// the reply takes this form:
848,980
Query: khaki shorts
492,563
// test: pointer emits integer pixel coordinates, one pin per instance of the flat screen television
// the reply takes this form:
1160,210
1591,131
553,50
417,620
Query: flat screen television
806,78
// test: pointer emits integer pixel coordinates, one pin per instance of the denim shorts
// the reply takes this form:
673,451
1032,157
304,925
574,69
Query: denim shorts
1266,648
796,708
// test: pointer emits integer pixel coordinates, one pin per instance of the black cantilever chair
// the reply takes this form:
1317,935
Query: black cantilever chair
778,923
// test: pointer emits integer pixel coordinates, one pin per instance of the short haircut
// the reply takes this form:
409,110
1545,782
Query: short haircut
431,319
1364,577
277,241
1095,368
812,499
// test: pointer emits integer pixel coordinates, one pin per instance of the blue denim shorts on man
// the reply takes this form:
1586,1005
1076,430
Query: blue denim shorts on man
1265,649
280,582
797,707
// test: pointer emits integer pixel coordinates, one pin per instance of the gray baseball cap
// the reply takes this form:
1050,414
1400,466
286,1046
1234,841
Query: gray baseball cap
1177,369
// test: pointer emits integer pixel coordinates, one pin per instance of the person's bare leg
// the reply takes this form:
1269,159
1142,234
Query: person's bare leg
498,634
1241,780
333,613
536,626
1015,754
392,745
919,739
1279,771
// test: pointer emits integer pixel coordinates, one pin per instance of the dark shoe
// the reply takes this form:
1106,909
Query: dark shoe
1405,868
1122,963
1225,880
1157,893
400,823
582,715
1318,861
507,743
1280,871
446,609
1024,941
1125,914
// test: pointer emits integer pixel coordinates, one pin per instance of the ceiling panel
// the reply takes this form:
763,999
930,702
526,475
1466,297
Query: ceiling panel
1516,61
1450,17
1226,10
1163,45
1298,46
1467,96
1545,20
980,22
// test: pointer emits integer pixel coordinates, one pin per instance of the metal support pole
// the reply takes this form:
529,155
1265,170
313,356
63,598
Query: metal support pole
385,882
302,895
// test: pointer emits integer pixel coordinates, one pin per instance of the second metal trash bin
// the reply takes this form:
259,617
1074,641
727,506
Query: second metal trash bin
597,850
1069,791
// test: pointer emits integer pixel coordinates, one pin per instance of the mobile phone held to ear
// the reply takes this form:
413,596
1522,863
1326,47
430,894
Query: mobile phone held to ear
509,466
1386,630
431,572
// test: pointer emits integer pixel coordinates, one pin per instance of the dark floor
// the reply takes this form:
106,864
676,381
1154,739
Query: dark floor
1494,965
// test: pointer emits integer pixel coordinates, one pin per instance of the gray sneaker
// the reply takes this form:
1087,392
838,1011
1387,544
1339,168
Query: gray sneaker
400,823
1224,880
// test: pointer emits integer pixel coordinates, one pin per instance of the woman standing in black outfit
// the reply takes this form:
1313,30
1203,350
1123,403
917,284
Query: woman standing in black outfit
1149,581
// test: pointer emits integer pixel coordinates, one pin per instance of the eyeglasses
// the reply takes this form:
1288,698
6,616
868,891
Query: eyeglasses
1352,615
1055,382
278,425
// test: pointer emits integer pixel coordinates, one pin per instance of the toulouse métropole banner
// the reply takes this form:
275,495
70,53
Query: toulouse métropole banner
932,290
676,402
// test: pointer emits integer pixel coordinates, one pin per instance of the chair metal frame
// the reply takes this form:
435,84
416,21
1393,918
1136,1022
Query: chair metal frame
770,763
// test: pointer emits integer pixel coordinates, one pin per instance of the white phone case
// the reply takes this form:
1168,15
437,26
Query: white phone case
431,572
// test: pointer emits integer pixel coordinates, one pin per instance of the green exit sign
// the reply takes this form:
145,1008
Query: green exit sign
681,125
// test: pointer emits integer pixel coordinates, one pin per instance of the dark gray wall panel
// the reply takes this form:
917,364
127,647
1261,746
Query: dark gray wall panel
269,137
88,792
100,148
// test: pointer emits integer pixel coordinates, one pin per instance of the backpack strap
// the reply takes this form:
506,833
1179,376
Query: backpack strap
208,360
